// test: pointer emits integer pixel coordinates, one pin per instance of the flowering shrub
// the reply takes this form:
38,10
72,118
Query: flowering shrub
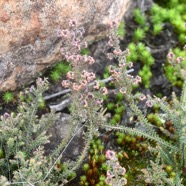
24,134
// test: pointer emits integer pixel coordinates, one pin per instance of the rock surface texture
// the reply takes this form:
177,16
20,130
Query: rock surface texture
28,39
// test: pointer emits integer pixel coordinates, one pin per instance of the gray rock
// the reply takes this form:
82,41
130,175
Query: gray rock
28,40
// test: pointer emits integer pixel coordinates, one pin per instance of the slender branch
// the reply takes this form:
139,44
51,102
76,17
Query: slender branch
57,94
63,152
65,103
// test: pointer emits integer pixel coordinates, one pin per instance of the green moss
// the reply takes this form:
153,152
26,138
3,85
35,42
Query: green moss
139,17
8,97
139,34
119,96
157,28
110,106
85,51
55,75
120,110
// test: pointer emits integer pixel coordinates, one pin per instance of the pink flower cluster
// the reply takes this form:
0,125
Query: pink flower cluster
71,40
78,84
116,172
173,59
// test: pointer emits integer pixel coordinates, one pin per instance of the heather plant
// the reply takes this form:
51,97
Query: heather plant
168,150
23,134
115,173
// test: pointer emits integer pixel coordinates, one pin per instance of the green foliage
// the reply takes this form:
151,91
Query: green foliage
119,96
85,51
95,169
120,110
121,30
154,119
157,28
23,133
146,57
139,17
140,52
106,73
139,34
58,70
55,75
173,73
158,14
169,72
133,56
23,136
22,155
8,97
145,75
110,106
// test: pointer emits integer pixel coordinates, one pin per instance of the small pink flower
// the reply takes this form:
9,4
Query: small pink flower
111,69
99,102
70,75
109,180
116,165
83,83
122,90
6,115
84,74
122,64
76,58
104,90
121,170
109,174
90,76
90,60
123,181
112,24
117,52
149,103
138,79
73,23
110,56
96,85
65,33
90,95
84,103
111,155
142,97
76,87
179,59
65,83
171,57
